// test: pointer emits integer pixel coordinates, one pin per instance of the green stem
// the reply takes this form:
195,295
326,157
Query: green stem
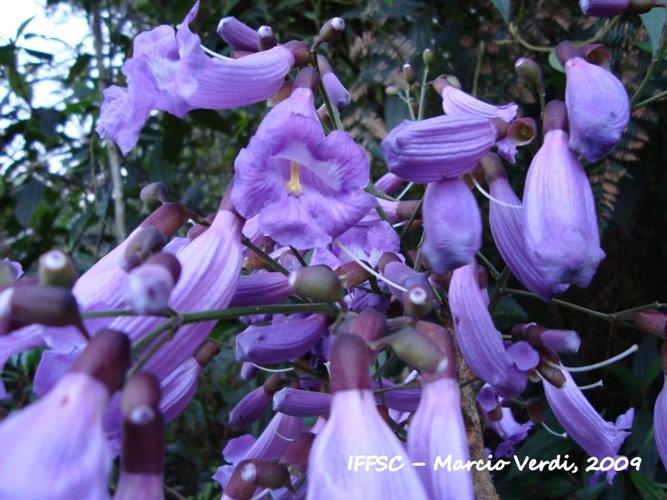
385,366
494,272
655,62
650,100
411,219
115,313
478,68
265,257
497,291
406,100
396,387
620,314
298,256
422,96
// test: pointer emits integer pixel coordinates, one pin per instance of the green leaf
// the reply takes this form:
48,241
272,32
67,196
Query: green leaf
19,85
23,26
648,489
30,197
654,21
79,65
508,313
554,62
503,7
44,56
8,55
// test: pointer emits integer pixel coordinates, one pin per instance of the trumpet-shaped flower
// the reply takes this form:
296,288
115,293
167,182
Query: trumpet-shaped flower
171,72
305,186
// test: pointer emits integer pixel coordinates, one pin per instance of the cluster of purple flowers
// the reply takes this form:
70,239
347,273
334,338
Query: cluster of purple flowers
299,195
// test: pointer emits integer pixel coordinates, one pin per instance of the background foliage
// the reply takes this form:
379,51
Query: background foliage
56,187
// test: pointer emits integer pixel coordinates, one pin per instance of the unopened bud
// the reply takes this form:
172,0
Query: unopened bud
307,78
266,39
266,474
501,126
206,352
352,274
332,30
536,413
106,358
417,350
651,321
145,243
418,301
301,52
495,415
57,269
409,74
319,283
149,286
598,54
237,488
392,90
522,131
529,70
154,194
427,55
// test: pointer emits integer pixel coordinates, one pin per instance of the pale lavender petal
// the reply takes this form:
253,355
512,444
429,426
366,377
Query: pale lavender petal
237,34
261,289
339,96
300,403
400,399
178,388
139,485
660,422
455,101
604,8
368,243
389,183
432,149
19,341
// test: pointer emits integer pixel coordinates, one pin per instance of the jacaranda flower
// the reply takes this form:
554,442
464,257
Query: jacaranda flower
171,72
304,185
560,223
598,106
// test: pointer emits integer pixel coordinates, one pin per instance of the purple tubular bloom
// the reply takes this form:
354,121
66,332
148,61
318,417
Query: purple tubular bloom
480,343
403,275
597,103
338,95
249,409
560,224
173,73
452,225
305,186
507,229
660,422
406,400
355,428
368,242
280,342
456,102
261,289
237,34
445,146
437,432
589,430
389,183
604,8
300,403
507,427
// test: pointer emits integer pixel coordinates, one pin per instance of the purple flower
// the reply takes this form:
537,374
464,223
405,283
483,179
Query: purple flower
480,342
612,8
511,431
660,422
598,106
452,225
261,289
589,430
304,185
560,224
433,149
355,428
301,403
507,228
56,447
171,72
456,102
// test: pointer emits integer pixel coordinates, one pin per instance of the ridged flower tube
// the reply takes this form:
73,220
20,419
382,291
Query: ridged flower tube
597,103
356,429
305,186
260,289
559,219
56,448
660,411
584,424
171,72
452,225
436,148
479,341
612,8
300,403
507,228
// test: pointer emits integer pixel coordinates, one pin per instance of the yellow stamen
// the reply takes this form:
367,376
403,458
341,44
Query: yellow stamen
294,185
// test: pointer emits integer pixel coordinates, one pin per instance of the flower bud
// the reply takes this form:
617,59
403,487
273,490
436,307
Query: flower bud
142,246
352,274
323,114
105,358
319,283
57,269
427,56
612,8
409,74
296,454
332,30
266,39
551,374
154,194
301,52
536,413
529,70
37,304
237,488
307,78
149,286
417,350
266,475
392,90
651,321
418,301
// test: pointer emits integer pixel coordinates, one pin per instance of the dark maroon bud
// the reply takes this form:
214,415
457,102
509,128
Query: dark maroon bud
106,358
145,243
273,384
237,488
307,78
143,443
37,304
385,259
266,39
332,30
301,52
57,269
495,415
349,364
206,352
555,117
352,274
501,126
323,114
154,194
566,50
652,321
319,283
296,454
168,218
369,324
409,74
266,475
552,375
536,413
